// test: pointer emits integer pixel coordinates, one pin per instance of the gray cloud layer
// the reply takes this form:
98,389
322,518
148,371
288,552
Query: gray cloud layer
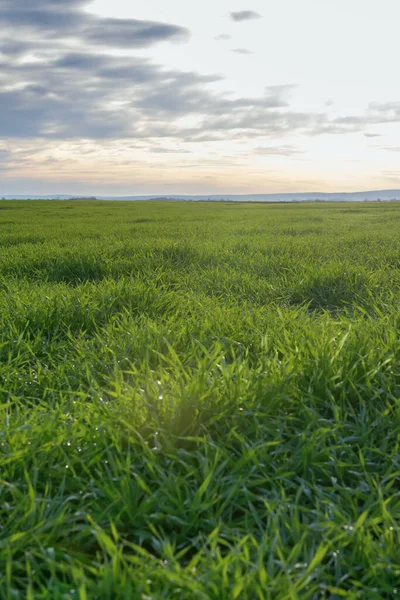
60,94
92,95
65,18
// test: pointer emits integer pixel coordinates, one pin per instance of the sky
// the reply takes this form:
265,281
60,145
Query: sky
223,96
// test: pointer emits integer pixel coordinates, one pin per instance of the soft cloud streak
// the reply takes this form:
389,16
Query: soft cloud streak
245,15
243,51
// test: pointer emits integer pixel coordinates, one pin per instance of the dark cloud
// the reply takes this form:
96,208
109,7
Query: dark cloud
244,15
131,33
34,111
13,48
41,14
21,5
95,96
65,18
100,68
80,61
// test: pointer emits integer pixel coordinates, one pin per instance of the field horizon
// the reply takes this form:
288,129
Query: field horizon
357,196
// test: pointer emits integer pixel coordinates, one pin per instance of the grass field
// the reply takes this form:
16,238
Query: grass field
199,401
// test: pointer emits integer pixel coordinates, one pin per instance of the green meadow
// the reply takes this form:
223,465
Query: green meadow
199,401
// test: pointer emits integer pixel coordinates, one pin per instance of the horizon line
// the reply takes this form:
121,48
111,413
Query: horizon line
200,195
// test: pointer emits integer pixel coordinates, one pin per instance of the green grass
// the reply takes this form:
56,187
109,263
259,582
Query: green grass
199,401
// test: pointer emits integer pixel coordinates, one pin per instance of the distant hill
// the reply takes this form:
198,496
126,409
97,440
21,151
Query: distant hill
286,197
373,195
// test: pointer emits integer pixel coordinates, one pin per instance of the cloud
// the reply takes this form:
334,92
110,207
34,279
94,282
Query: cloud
377,113
161,150
13,48
44,15
245,15
66,19
242,51
285,150
223,36
372,135
36,111
12,160
97,96
61,94
92,93
132,33
384,112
